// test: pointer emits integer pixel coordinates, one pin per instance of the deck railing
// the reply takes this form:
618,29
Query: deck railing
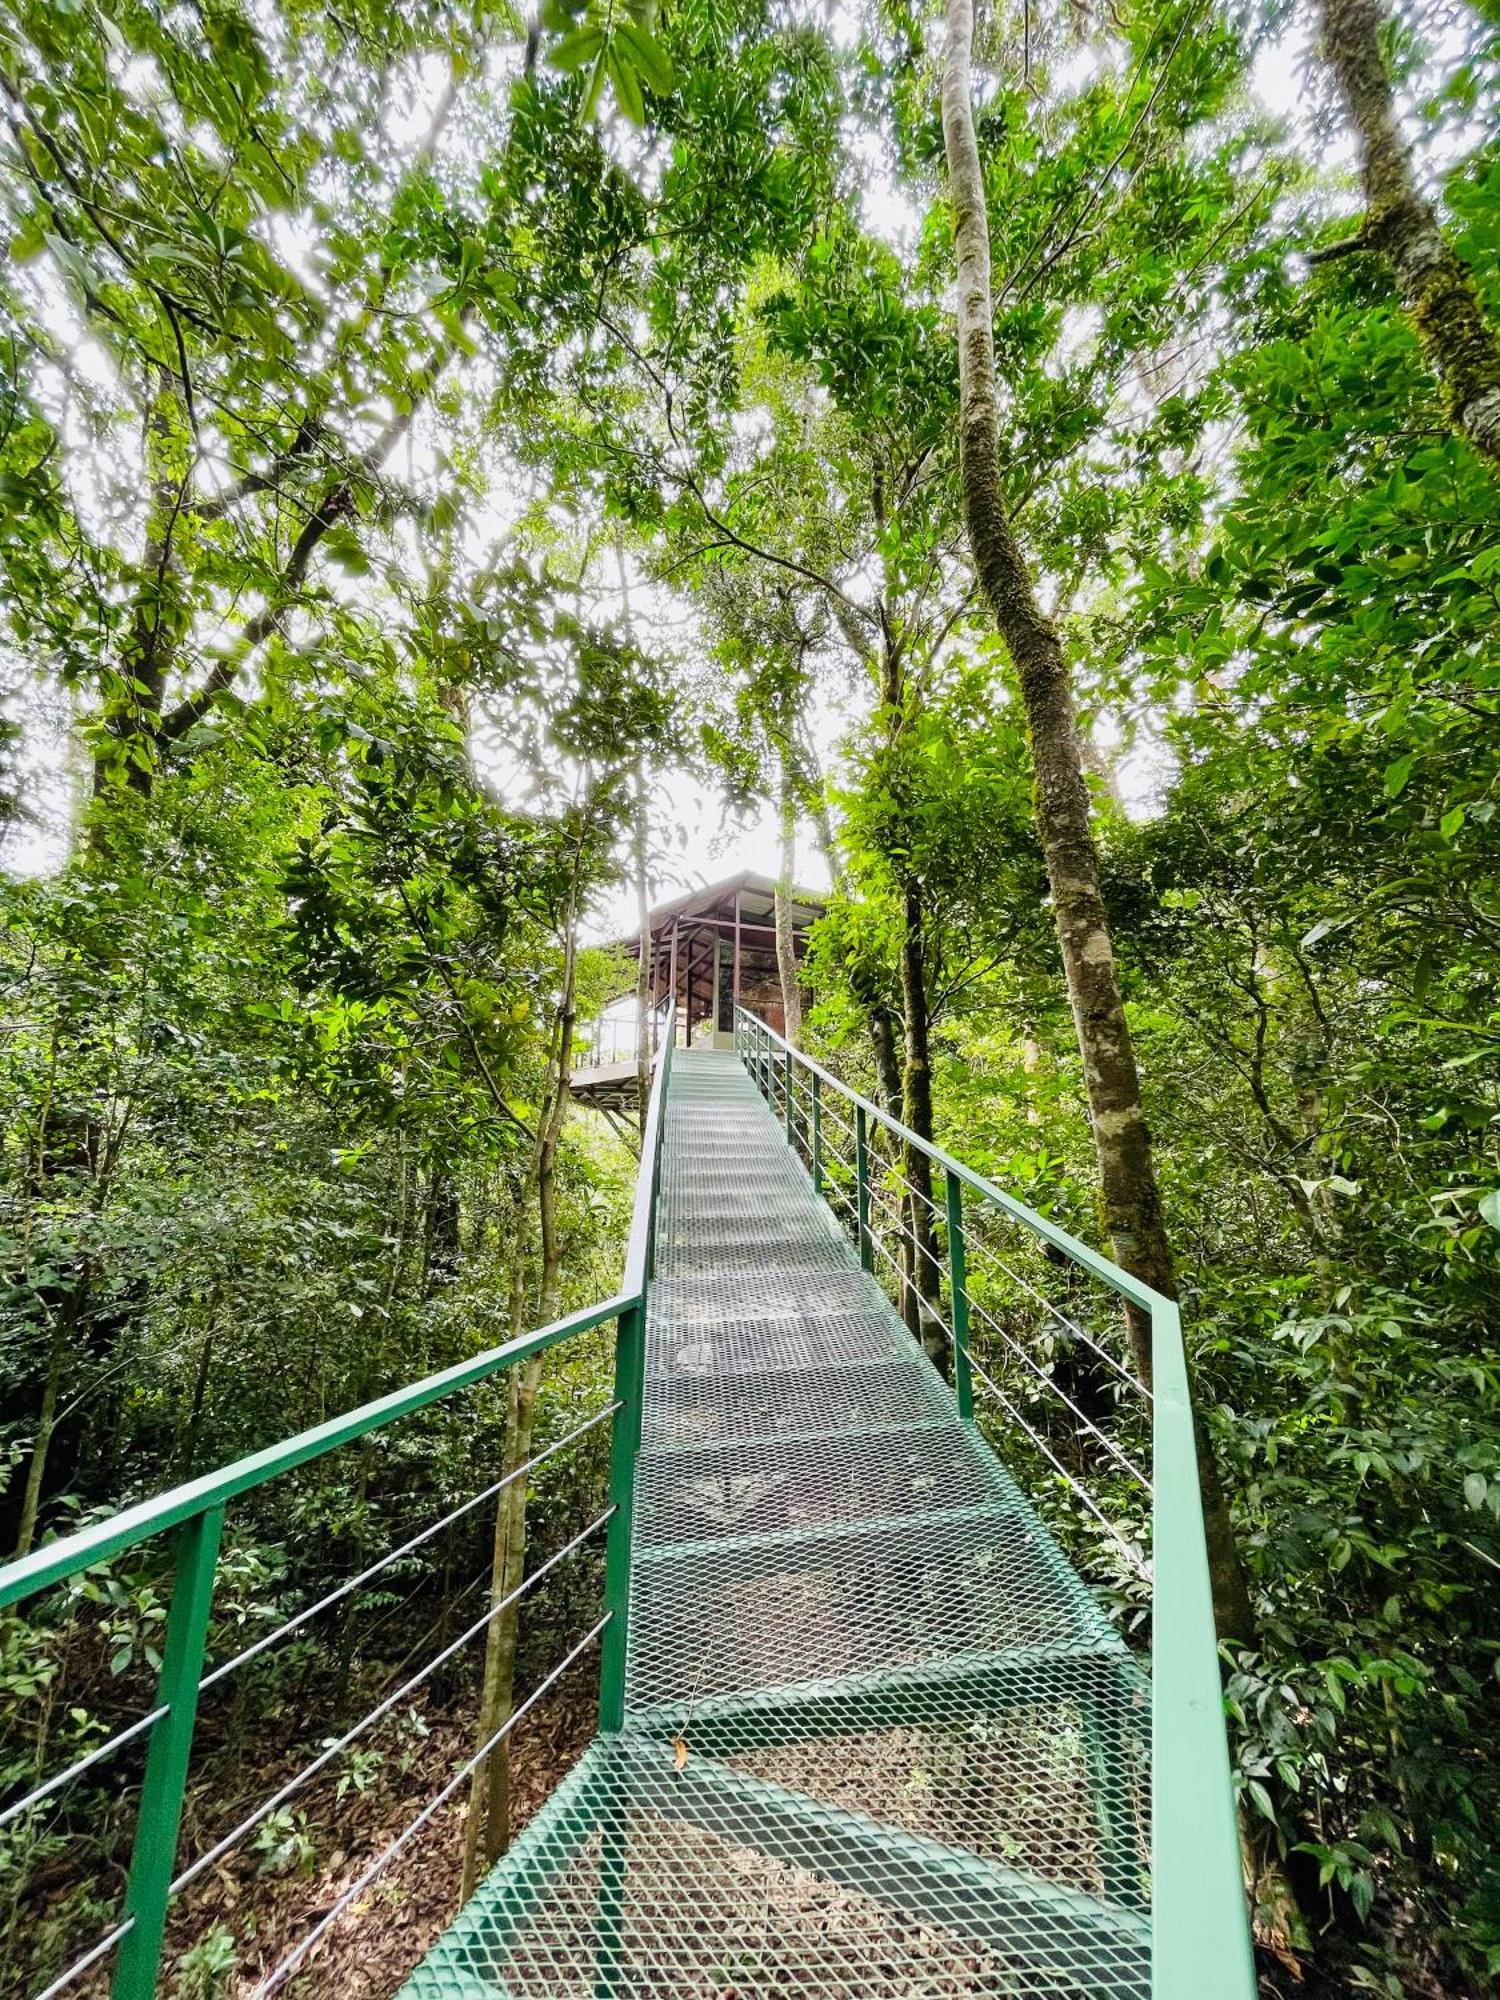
977,1274
194,1515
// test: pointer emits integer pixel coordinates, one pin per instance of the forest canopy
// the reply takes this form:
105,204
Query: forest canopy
1036,472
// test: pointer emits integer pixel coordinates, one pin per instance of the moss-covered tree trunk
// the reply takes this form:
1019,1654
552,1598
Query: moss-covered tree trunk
1436,288
1127,1176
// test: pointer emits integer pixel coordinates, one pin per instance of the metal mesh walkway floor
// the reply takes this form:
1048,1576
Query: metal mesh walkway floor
879,1738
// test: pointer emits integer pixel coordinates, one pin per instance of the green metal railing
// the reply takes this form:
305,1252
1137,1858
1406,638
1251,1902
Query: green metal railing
194,1514
1200,1940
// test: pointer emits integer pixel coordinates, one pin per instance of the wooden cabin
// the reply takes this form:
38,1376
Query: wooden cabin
715,946
709,948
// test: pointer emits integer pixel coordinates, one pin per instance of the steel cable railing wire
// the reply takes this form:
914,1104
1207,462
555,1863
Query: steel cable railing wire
886,1216
977,1250
980,1250
50,1786
193,1512
91,1957
1055,1388
1132,1556
1071,1479
1115,1451
382,1708
384,1562
143,1724
97,1755
294,1958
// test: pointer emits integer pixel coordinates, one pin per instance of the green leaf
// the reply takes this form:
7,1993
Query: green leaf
1476,1486
594,91
648,58
627,88
1397,774
1489,1207
574,50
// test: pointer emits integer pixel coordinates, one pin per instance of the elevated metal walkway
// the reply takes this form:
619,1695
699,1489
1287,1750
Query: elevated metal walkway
878,1737
864,1731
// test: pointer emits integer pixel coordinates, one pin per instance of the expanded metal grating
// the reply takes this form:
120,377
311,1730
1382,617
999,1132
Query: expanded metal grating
879,1738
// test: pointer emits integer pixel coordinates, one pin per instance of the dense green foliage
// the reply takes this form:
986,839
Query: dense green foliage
358,365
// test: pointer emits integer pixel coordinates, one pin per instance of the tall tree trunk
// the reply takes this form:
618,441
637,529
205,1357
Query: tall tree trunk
133,718
786,949
1127,1176
489,1790
923,1285
41,1444
828,845
489,1787
643,970
1439,295
885,1039
188,1454
911,1099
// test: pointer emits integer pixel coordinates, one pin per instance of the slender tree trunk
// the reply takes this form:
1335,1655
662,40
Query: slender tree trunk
489,1790
151,636
188,1455
885,1039
36,1470
916,1095
643,970
909,1091
492,1699
827,844
1440,297
786,950
1127,1176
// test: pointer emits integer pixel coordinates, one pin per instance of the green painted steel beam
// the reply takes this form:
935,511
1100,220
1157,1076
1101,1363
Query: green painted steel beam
958,1279
1200,1929
509,1895
624,1451
153,1859
773,1542
898,1697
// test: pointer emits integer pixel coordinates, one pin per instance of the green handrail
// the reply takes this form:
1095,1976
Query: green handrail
630,1384
1200,1934
195,1510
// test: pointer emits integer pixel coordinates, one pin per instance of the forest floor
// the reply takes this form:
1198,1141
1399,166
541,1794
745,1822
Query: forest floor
379,1940
383,1935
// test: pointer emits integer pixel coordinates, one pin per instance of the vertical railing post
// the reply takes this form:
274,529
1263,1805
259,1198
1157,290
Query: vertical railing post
624,1449
153,1860
862,1187
958,1275
791,1102
816,1141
